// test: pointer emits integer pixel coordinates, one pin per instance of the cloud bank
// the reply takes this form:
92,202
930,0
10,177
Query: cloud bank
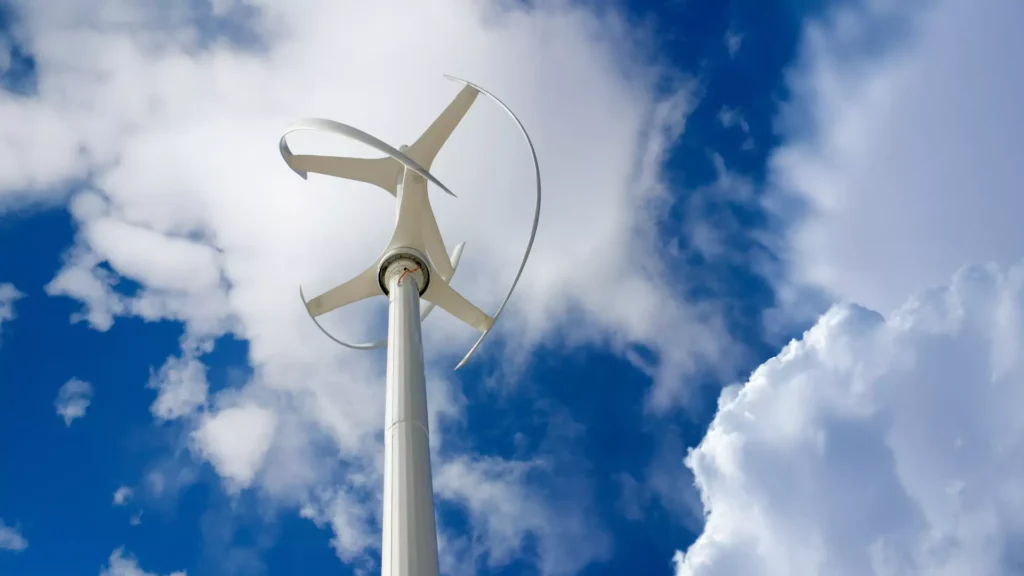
875,445
886,442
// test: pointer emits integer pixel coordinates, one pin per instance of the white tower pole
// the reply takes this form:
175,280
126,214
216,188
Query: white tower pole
409,546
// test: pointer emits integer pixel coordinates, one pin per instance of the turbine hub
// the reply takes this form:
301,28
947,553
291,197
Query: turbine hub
407,262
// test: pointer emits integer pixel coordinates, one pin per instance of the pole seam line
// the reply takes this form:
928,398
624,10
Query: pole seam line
406,421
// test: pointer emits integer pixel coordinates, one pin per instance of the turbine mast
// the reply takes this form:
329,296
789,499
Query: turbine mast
410,534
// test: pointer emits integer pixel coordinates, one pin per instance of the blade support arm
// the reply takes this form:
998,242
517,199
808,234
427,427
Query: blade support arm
359,288
446,298
378,344
381,172
359,136
426,147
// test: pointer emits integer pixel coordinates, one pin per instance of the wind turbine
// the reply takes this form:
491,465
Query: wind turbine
413,265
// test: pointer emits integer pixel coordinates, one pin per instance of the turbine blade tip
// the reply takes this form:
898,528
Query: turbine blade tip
305,303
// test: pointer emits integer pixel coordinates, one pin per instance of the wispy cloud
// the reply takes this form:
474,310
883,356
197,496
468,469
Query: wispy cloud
902,148
181,386
121,564
733,42
8,296
11,538
122,495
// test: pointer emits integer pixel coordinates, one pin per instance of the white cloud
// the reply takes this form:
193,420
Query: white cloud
191,202
184,265
122,495
875,446
733,42
345,513
11,538
5,55
908,157
120,564
504,510
73,398
235,440
181,385
730,117
8,296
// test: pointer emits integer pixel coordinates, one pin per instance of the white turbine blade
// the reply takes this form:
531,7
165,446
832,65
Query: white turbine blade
359,288
456,257
536,214
440,293
430,142
359,136
433,244
381,172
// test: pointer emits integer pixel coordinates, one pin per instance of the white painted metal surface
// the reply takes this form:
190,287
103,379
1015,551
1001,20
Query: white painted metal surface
414,265
409,545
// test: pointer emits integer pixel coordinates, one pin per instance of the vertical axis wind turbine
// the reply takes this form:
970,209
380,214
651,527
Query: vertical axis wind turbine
414,265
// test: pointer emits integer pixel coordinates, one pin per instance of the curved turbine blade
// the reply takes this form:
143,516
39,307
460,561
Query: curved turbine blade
359,288
359,136
536,213
364,346
440,293
426,147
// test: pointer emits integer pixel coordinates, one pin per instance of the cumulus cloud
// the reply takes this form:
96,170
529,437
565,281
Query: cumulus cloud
11,538
875,445
904,147
121,564
190,214
73,398
235,440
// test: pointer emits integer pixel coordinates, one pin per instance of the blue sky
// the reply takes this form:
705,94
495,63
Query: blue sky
672,390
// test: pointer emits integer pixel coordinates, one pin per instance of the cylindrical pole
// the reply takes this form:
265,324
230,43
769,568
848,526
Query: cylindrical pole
410,534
